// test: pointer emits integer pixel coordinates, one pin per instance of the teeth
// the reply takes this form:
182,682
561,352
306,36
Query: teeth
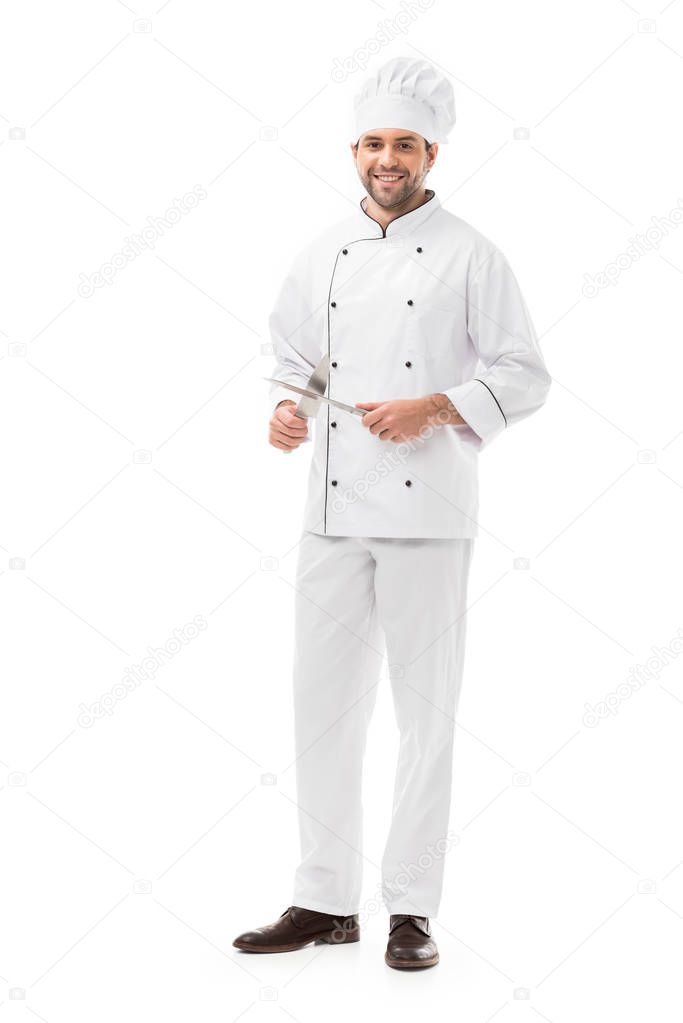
388,177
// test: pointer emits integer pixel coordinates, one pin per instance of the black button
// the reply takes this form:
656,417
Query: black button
333,424
345,251
408,483
419,249
334,364
408,364
333,304
410,301
334,483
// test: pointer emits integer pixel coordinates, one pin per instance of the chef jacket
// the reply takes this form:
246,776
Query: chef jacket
427,305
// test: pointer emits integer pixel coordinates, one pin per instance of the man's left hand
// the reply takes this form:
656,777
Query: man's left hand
397,420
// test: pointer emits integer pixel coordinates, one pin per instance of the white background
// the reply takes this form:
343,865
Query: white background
136,848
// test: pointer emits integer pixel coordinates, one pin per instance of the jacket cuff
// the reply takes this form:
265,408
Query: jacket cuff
479,408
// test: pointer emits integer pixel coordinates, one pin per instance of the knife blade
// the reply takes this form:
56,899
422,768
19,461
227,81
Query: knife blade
319,397
317,382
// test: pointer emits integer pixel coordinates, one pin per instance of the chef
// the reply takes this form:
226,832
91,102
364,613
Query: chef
428,334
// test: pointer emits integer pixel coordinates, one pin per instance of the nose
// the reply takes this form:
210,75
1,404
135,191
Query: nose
385,158
387,166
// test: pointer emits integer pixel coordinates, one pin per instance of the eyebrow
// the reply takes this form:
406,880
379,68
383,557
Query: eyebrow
401,138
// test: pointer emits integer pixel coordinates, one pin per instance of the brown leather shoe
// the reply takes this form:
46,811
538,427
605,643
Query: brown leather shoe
410,942
297,927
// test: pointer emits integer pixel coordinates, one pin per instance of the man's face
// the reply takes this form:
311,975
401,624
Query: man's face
402,155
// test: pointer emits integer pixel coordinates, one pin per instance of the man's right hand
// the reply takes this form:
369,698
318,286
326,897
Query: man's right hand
287,431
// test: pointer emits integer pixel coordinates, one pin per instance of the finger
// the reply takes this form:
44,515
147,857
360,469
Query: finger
299,425
291,438
283,428
286,414
283,434
282,442
371,418
286,444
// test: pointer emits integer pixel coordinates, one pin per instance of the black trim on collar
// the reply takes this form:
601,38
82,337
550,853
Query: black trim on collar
431,195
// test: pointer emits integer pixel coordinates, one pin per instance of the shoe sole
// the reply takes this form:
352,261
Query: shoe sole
325,937
407,964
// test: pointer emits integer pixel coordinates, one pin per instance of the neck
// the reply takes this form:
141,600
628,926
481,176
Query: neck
385,216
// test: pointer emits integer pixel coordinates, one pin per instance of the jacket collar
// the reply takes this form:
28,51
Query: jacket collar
404,224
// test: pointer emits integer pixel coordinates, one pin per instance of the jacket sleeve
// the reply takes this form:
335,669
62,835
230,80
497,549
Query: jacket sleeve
292,330
514,381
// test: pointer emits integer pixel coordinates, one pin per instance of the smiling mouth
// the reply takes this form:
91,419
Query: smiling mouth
388,179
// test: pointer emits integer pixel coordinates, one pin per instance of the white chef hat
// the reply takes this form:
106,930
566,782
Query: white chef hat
406,93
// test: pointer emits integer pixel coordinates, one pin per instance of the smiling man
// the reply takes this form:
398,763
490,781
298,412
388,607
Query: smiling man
426,330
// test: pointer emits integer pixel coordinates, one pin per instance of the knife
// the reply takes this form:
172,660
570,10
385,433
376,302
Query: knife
313,394
319,397
316,382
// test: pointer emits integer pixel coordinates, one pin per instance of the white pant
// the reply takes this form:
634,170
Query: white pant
350,590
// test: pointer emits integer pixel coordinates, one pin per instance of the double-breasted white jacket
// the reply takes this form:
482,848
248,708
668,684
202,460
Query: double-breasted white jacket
429,305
